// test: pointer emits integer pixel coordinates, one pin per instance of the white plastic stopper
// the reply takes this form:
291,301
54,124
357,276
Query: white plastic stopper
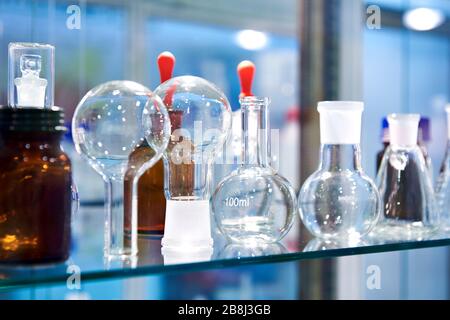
186,255
403,129
340,122
188,224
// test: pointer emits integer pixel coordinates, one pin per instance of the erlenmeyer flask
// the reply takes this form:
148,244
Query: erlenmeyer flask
443,185
405,184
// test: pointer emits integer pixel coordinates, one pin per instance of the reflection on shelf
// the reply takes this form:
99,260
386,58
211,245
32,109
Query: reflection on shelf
237,251
87,255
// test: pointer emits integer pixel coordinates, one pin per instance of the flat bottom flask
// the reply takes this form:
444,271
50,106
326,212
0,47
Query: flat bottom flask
404,194
405,185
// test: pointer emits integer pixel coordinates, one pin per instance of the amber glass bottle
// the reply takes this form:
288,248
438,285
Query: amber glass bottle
151,203
36,187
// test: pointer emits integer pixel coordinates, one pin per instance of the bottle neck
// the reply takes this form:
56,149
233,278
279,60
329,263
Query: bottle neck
337,157
255,136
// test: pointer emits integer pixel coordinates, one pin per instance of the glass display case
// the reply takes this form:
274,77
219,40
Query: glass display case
389,63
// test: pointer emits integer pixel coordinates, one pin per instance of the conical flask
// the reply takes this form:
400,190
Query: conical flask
405,184
443,184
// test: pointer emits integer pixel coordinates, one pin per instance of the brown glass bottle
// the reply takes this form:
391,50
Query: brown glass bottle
151,200
36,187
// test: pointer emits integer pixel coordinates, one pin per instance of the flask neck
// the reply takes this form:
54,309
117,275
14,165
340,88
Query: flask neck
337,157
255,128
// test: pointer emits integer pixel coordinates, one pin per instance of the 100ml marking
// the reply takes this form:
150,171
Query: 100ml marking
236,202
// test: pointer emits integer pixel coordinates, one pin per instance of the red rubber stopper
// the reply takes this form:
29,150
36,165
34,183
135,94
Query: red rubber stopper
166,62
246,71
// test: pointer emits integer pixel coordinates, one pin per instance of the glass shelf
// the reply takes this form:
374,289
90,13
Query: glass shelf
87,255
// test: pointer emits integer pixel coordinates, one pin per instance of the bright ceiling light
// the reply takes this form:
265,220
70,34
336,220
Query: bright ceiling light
423,19
251,39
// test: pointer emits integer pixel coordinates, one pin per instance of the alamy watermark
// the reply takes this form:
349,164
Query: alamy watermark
73,21
73,281
373,18
373,281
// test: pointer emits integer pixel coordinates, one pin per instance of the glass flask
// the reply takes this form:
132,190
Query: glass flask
339,201
254,204
405,184
111,122
443,184
200,117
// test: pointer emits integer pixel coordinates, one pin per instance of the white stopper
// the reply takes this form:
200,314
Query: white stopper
447,109
403,129
340,122
188,224
30,88
186,255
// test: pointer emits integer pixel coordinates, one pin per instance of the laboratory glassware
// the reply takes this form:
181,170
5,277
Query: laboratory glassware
339,201
200,117
254,204
109,123
405,184
443,184
151,202
35,173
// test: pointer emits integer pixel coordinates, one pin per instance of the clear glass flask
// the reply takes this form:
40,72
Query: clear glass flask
254,204
443,184
200,119
110,123
405,184
338,201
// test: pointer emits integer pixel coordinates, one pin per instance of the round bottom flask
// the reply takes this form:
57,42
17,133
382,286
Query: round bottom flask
405,184
338,201
253,203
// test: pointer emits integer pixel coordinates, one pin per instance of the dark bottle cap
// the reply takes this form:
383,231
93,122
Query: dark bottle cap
31,119
384,130
425,129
